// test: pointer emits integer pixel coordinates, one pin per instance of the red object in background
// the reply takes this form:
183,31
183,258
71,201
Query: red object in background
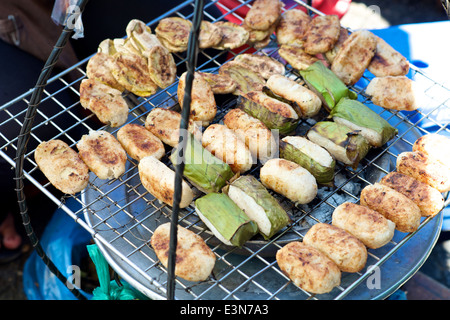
337,7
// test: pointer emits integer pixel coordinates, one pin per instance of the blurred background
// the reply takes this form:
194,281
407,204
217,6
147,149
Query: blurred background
433,279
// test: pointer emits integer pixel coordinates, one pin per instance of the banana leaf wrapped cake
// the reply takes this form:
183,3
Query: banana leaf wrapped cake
259,205
314,158
274,113
205,171
326,84
345,144
358,116
225,219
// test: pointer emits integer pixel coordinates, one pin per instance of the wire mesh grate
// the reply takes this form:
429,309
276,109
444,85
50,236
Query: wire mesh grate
121,215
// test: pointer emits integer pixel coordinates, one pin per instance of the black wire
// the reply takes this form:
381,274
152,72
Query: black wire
192,53
22,142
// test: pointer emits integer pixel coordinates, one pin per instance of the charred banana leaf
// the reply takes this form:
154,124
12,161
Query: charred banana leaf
326,84
266,66
225,219
293,104
296,57
345,144
246,79
206,172
314,158
220,83
304,100
274,113
259,205
358,116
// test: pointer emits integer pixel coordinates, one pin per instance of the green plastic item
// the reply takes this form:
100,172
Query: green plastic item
110,290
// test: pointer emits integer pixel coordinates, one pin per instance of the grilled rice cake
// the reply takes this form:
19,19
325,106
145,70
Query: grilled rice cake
395,92
263,14
99,68
173,32
220,83
354,56
296,56
308,268
429,200
347,251
138,142
257,137
331,54
203,104
368,225
322,34
289,179
308,102
233,35
104,101
264,65
436,146
393,205
62,166
292,28
103,154
387,61
165,124
245,78
424,168
195,260
223,143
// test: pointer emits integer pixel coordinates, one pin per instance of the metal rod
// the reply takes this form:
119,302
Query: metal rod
192,54
22,142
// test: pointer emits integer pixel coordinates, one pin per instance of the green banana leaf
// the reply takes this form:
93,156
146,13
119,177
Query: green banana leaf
324,174
225,219
362,116
272,120
201,168
355,145
326,84
272,218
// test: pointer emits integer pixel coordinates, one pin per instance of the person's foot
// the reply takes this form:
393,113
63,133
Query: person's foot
10,239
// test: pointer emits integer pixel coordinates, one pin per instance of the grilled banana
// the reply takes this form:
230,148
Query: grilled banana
323,33
105,102
62,166
292,28
203,103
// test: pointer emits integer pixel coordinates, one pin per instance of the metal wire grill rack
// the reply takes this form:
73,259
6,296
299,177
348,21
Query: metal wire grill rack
121,215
